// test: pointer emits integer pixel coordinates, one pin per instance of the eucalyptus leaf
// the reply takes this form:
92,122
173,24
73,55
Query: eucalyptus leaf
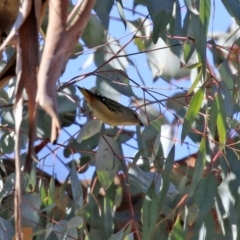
192,112
103,12
107,160
76,190
89,129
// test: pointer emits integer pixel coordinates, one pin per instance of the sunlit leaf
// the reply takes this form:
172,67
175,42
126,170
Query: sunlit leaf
221,121
195,83
177,232
193,110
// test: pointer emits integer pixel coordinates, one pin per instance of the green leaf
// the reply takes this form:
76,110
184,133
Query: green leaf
192,112
108,205
6,229
160,23
149,132
177,232
121,12
195,83
156,146
117,236
76,190
75,222
205,193
195,65
232,6
94,33
178,101
7,142
163,62
221,121
109,52
166,175
188,50
193,212
200,29
150,212
49,207
30,207
51,191
89,129
68,118
140,181
117,79
198,168
107,160
103,9
9,184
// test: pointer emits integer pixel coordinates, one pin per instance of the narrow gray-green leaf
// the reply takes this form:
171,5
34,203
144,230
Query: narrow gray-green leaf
200,29
107,160
205,193
156,145
198,169
192,112
150,212
233,7
166,174
103,12
121,12
94,33
160,23
76,190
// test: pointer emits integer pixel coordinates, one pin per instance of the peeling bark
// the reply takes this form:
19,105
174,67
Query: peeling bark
27,67
60,41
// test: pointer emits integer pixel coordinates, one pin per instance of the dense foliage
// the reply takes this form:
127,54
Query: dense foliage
173,68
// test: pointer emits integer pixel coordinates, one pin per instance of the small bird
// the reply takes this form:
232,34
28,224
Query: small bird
110,111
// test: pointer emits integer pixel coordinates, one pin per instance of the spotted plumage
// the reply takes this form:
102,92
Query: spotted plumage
110,111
